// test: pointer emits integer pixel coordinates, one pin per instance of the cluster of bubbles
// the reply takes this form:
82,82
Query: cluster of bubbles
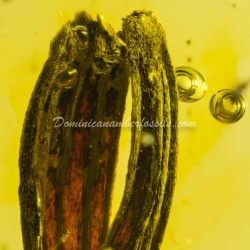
227,105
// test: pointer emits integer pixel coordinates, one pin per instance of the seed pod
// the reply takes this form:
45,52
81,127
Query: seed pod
142,217
66,162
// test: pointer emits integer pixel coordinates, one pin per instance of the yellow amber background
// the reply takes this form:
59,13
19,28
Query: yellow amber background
211,203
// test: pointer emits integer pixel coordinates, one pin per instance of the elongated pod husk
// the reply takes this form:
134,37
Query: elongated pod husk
67,162
143,214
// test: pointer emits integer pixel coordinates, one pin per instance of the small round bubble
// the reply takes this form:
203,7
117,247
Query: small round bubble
191,84
227,106
67,78
147,139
